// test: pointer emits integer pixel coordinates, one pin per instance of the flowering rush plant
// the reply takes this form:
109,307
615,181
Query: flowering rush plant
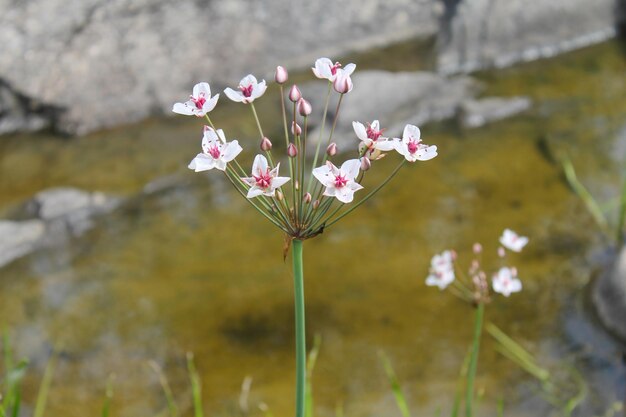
473,287
314,193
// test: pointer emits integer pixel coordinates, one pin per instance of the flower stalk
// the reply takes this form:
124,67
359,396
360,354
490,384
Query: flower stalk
298,280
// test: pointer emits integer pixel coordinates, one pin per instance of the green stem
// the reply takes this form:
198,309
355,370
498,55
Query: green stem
622,216
471,375
298,278
367,197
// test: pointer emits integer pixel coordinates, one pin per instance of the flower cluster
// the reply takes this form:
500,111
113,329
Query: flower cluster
312,197
473,286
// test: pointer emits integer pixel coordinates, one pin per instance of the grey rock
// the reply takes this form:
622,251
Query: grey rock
476,113
53,216
107,62
19,238
609,296
495,33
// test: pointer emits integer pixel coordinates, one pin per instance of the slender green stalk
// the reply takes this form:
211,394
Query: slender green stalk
471,375
169,396
367,197
584,194
210,122
282,107
108,396
310,366
42,396
298,278
319,139
196,387
395,385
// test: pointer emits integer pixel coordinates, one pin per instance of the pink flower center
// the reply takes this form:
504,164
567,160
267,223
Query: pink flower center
199,102
246,91
214,151
413,146
372,133
340,181
333,68
264,180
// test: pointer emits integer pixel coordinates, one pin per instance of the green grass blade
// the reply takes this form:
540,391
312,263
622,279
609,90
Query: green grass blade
395,385
310,366
501,407
171,404
473,364
17,400
456,406
108,396
584,194
196,387
42,395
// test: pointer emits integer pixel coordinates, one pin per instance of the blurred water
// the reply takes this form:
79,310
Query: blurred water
191,267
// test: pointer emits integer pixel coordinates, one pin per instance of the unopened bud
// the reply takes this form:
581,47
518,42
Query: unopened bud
294,93
316,204
331,150
513,271
297,185
279,195
266,144
307,198
477,248
365,163
281,75
501,252
304,107
342,84
292,151
296,129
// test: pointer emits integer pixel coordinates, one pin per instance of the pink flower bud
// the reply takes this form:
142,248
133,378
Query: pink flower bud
281,75
294,93
307,198
365,163
343,84
266,144
316,204
296,129
292,151
477,248
501,252
331,150
304,107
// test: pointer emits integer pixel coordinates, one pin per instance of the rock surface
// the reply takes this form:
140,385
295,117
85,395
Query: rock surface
476,113
609,297
116,61
477,34
52,215
91,64
19,238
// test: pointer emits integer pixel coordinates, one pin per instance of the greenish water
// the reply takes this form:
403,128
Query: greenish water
193,268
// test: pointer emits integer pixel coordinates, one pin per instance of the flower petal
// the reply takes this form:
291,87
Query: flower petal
411,132
351,168
182,108
210,104
359,129
231,150
234,95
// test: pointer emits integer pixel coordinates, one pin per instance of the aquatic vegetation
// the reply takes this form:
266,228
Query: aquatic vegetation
304,208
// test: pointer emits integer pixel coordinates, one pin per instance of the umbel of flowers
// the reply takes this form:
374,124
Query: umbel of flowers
472,285
307,193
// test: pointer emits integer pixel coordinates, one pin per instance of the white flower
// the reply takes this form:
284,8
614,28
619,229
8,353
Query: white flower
249,90
411,146
263,180
512,241
343,82
372,137
200,101
339,182
441,270
216,152
505,282
324,68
